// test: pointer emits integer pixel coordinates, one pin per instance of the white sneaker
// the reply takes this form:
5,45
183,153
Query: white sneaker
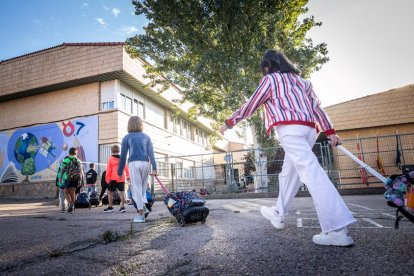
139,219
270,214
336,238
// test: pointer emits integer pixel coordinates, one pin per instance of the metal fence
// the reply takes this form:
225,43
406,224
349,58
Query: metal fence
257,170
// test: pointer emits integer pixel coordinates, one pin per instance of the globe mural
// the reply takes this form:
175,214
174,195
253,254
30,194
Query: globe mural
25,151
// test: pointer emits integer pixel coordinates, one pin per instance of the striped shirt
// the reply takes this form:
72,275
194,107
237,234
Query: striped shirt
287,99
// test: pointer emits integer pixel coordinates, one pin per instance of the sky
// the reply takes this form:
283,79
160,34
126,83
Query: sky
370,42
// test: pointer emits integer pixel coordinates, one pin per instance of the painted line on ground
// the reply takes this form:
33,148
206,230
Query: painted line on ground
373,222
359,206
388,215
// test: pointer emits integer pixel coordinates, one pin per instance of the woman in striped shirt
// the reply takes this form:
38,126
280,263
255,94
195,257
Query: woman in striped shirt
292,107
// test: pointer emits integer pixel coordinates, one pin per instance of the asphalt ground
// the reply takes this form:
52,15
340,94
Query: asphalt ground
36,239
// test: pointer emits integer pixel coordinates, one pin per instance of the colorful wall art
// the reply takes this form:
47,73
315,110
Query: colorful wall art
33,154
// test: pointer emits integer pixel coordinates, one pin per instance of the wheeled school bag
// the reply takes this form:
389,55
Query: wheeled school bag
82,201
399,189
186,207
94,198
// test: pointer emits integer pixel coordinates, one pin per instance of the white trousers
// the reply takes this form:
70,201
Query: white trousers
301,165
138,172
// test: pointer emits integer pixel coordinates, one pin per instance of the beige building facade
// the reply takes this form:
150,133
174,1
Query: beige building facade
387,115
82,95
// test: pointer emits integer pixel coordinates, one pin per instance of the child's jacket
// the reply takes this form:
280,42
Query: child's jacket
112,170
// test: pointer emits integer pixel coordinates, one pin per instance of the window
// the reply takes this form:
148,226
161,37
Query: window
188,170
135,108
179,169
128,105
185,128
107,105
205,140
122,102
141,110
162,167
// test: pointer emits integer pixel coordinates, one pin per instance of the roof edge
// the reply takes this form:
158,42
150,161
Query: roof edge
67,44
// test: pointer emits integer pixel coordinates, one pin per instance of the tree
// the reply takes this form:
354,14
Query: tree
212,49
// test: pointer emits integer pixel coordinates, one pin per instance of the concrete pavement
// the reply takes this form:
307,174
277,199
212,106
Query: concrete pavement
37,239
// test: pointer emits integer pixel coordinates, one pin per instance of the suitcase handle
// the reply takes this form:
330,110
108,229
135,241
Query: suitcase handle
164,189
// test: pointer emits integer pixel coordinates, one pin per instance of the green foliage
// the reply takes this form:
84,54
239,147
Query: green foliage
213,48
110,236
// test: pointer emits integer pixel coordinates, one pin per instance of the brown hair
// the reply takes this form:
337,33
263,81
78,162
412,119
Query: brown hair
135,124
115,149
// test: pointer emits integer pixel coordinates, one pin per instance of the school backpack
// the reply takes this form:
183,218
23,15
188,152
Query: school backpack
73,170
82,201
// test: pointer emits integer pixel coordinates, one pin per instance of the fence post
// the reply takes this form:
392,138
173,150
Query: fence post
202,170
172,177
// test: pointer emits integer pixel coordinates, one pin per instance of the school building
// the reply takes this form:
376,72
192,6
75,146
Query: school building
82,95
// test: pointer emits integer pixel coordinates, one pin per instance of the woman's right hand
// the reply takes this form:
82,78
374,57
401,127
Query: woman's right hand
154,173
335,140
222,129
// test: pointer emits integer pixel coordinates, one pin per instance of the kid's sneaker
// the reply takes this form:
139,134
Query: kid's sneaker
109,210
269,213
336,238
70,208
122,210
139,219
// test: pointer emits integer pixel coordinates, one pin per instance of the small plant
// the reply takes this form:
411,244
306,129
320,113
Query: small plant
110,236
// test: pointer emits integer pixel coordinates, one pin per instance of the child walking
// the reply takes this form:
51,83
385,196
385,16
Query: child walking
115,181
292,107
141,151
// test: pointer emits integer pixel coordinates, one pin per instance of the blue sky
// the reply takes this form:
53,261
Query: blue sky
370,42
32,25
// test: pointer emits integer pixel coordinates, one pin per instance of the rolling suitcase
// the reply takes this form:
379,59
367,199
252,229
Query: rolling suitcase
186,207
397,186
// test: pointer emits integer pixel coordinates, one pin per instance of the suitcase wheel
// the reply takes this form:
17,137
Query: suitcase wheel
181,221
203,221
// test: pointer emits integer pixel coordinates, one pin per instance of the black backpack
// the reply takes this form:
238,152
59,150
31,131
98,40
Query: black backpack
82,201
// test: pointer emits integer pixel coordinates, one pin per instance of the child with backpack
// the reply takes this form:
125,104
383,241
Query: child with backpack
114,181
71,171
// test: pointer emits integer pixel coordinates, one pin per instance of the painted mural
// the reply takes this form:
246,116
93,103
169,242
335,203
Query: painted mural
33,153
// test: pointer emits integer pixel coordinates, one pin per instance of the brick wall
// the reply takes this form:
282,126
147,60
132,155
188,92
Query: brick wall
51,107
28,190
57,65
